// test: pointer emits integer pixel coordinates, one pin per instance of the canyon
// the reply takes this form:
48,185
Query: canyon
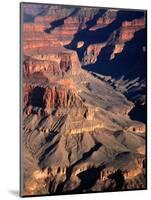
83,78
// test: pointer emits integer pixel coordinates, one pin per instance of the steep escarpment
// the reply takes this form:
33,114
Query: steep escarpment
78,135
55,63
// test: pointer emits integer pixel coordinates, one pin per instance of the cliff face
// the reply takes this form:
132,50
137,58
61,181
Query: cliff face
118,39
58,97
57,63
50,97
76,123
66,21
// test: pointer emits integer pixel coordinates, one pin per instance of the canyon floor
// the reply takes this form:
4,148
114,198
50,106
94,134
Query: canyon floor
84,99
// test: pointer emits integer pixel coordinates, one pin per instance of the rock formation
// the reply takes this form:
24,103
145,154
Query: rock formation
78,135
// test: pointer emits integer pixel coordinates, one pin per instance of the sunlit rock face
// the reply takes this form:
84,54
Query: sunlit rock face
55,63
83,83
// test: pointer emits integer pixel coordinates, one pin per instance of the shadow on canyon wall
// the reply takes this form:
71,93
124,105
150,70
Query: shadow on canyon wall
92,173
102,34
60,22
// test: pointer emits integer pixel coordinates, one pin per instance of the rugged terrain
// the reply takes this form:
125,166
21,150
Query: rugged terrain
84,92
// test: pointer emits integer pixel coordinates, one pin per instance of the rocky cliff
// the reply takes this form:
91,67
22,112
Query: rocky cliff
55,63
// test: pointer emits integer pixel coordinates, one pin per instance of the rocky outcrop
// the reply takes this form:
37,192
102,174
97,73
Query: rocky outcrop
117,49
58,97
92,53
56,64
80,44
137,127
129,28
127,173
49,98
